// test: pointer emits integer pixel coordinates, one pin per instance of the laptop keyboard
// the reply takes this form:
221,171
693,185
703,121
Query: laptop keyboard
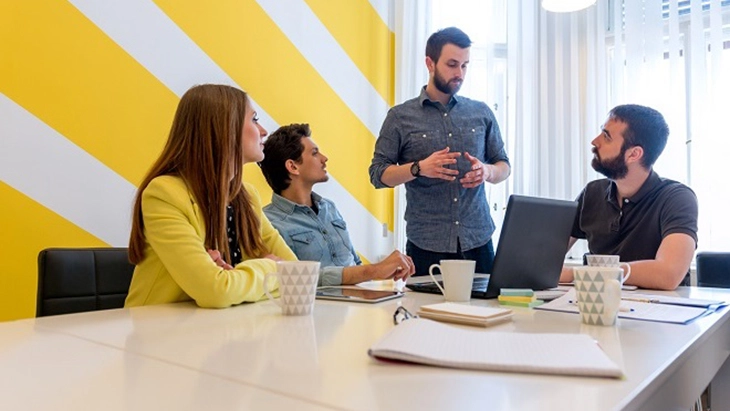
479,286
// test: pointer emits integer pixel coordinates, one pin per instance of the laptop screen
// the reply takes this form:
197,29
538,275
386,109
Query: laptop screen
532,244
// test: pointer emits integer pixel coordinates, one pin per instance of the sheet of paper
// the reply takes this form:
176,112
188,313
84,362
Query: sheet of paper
641,311
664,299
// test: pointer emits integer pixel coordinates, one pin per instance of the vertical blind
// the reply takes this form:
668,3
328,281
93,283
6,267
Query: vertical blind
674,56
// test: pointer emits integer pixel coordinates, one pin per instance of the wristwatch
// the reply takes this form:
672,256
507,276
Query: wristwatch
415,169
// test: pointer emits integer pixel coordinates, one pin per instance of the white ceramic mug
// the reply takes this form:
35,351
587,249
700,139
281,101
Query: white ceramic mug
297,286
604,260
598,293
458,276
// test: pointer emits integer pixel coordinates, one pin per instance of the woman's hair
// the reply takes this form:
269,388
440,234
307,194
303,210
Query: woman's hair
204,148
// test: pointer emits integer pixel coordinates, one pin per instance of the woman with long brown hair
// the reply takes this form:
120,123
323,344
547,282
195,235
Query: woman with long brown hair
198,231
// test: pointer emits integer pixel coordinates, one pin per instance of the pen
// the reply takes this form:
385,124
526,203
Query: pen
641,300
620,308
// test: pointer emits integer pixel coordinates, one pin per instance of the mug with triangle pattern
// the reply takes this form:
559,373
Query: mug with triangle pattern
605,260
598,293
297,286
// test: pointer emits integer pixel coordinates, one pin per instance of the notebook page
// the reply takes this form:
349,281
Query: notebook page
428,342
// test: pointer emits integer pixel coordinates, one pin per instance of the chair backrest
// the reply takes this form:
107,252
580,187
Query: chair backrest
713,269
72,280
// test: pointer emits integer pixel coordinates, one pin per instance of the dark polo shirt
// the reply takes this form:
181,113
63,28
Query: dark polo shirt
635,230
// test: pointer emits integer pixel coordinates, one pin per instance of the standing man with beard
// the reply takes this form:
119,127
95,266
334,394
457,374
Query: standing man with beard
443,148
651,222
310,224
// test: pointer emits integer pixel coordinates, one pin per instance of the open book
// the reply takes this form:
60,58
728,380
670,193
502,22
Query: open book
465,314
427,342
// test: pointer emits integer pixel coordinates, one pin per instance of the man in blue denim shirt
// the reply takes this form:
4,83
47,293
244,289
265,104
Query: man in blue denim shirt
443,148
310,224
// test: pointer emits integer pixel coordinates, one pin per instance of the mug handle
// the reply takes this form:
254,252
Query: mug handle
627,271
266,289
430,272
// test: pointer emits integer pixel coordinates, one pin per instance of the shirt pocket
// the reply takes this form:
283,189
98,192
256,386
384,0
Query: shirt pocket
423,143
473,140
306,246
344,253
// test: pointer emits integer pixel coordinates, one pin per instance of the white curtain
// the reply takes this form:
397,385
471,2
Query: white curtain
558,100
412,28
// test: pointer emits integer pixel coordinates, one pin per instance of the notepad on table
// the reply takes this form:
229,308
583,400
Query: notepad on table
465,314
427,342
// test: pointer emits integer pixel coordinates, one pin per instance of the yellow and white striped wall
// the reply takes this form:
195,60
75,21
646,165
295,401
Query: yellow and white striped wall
88,90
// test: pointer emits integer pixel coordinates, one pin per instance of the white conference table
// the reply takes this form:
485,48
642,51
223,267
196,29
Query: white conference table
178,356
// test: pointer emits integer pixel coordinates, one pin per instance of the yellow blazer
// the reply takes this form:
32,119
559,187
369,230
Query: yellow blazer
177,266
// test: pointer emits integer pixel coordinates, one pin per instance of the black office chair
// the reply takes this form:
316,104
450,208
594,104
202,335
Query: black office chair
713,269
72,280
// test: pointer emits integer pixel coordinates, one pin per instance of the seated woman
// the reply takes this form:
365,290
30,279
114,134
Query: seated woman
198,232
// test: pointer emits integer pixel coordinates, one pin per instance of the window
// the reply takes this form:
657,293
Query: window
675,57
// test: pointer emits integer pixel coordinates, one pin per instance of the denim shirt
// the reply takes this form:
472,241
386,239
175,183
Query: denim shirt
314,236
439,213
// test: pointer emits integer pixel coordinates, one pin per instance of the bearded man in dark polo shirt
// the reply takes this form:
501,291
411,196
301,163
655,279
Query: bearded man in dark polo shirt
443,148
651,222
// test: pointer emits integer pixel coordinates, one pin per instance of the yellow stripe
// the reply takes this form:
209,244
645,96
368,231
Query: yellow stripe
363,35
241,38
73,77
252,174
27,228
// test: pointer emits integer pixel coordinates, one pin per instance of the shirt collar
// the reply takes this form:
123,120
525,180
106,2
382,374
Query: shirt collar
423,98
649,185
289,206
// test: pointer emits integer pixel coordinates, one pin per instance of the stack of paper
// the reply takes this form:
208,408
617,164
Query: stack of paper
465,314
653,310
427,342
518,297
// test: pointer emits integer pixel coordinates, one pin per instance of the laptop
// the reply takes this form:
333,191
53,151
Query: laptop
531,250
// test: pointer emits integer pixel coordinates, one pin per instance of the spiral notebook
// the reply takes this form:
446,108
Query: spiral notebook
427,342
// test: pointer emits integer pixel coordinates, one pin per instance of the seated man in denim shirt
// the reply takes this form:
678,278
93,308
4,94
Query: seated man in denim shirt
310,224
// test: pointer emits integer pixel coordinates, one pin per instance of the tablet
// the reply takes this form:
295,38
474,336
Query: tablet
358,295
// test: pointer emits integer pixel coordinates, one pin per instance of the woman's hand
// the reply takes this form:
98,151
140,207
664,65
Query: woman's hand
218,260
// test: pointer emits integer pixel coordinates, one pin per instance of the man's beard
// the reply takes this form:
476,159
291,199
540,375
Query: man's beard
444,86
614,168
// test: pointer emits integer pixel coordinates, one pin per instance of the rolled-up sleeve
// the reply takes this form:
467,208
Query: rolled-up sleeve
329,276
387,149
495,151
